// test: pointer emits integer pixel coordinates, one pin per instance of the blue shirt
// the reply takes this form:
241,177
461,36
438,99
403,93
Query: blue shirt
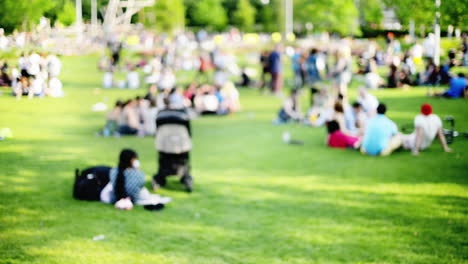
295,62
457,85
379,131
275,62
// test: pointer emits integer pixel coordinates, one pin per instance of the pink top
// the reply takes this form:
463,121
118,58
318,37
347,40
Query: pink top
339,140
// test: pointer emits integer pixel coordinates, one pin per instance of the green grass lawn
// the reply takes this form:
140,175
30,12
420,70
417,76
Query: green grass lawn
256,199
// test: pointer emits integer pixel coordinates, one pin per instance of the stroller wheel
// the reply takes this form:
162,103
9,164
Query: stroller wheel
187,182
155,185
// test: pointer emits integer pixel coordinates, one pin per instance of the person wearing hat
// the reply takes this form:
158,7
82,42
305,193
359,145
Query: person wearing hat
427,126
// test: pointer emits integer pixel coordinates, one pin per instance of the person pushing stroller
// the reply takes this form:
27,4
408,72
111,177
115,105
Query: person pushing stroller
173,143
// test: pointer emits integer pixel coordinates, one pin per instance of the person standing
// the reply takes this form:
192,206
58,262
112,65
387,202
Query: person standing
276,69
264,60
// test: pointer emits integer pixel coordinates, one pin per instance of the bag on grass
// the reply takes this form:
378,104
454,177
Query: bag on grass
90,182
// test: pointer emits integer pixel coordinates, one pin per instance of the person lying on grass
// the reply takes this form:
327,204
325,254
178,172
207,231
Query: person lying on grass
427,126
337,139
381,136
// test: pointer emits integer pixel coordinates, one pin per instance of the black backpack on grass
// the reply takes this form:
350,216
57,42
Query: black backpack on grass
90,182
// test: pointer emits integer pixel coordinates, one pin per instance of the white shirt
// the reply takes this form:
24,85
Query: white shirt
23,63
133,80
34,64
55,86
37,86
54,65
430,125
108,79
3,43
369,103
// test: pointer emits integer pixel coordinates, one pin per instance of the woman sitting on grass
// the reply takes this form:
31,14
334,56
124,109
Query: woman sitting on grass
126,185
129,121
337,139
126,181
290,110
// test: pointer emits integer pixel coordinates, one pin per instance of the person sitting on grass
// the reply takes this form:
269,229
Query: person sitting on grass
112,120
22,87
129,119
457,87
368,101
337,139
340,118
126,185
427,127
290,110
381,135
127,179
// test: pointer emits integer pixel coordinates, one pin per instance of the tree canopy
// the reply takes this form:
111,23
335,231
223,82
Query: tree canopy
346,17
165,15
244,16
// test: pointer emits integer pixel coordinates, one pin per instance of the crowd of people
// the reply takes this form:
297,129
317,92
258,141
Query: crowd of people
413,67
363,124
35,75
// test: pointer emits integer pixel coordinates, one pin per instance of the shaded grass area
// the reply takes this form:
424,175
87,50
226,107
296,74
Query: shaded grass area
256,200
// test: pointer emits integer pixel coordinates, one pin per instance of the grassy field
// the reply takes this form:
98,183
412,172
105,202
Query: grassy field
256,199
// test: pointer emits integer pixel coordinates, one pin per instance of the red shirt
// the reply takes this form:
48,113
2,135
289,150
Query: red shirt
339,140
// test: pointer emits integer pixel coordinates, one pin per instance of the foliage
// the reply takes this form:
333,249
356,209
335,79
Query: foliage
244,16
15,13
68,14
370,12
340,16
210,14
169,15
453,12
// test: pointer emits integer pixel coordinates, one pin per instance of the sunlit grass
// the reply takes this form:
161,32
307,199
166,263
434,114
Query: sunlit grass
256,199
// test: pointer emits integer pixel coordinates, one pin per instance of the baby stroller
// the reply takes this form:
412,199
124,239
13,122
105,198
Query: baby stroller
173,143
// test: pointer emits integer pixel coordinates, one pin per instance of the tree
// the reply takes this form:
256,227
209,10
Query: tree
454,12
244,16
370,12
422,11
267,18
210,14
169,15
340,16
16,14
67,15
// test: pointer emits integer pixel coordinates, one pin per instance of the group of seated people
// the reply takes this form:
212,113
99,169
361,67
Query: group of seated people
363,125
133,117
137,116
36,75
381,136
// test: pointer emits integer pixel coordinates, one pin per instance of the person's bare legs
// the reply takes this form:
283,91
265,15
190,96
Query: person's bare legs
393,144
